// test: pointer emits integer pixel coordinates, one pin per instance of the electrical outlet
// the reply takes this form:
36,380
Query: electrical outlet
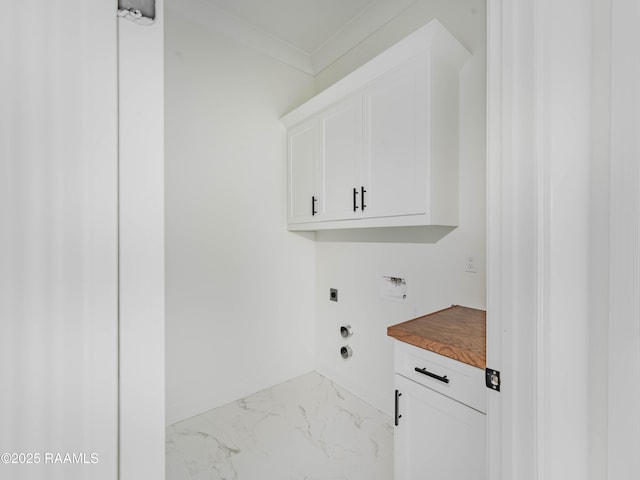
470,264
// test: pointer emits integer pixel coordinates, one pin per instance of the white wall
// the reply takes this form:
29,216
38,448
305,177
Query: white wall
239,287
435,273
241,290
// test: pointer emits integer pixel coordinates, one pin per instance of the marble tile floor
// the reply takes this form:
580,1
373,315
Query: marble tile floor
307,428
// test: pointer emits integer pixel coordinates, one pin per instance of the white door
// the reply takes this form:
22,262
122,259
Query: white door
395,142
58,241
340,160
437,437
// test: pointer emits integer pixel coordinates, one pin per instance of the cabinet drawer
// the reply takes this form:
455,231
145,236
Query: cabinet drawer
463,382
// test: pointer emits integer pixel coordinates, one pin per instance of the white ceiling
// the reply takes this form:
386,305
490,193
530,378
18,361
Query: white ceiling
307,34
305,24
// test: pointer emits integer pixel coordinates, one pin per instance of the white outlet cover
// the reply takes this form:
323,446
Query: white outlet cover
470,264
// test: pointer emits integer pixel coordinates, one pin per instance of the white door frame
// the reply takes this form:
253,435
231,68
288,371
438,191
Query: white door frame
564,238
495,434
624,297
141,246
538,214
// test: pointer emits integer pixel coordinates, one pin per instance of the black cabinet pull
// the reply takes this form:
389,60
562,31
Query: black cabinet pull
424,371
355,200
397,415
362,192
313,205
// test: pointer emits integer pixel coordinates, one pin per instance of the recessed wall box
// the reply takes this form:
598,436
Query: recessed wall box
333,294
393,288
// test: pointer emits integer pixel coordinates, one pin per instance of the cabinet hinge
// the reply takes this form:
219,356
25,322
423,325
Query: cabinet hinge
492,379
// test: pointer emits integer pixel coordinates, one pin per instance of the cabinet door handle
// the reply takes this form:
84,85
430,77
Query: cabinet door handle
424,371
355,199
397,415
313,205
362,192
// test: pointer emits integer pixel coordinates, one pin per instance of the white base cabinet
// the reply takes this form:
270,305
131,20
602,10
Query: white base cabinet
437,436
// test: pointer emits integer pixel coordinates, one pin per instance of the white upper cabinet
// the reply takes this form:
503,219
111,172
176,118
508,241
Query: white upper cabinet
380,147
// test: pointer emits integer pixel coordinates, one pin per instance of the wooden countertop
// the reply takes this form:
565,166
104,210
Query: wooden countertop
455,332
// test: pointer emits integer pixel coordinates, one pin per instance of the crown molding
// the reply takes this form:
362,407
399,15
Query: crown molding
354,32
220,21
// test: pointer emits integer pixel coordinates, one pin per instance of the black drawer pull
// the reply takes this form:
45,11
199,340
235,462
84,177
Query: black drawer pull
397,416
424,371
313,206
355,199
362,192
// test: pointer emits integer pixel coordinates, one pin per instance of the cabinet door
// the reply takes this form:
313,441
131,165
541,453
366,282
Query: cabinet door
396,142
302,166
340,159
437,437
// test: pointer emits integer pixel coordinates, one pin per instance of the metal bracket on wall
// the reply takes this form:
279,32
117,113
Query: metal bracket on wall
139,11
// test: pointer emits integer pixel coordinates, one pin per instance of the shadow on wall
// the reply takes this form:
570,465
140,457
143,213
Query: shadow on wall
418,234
